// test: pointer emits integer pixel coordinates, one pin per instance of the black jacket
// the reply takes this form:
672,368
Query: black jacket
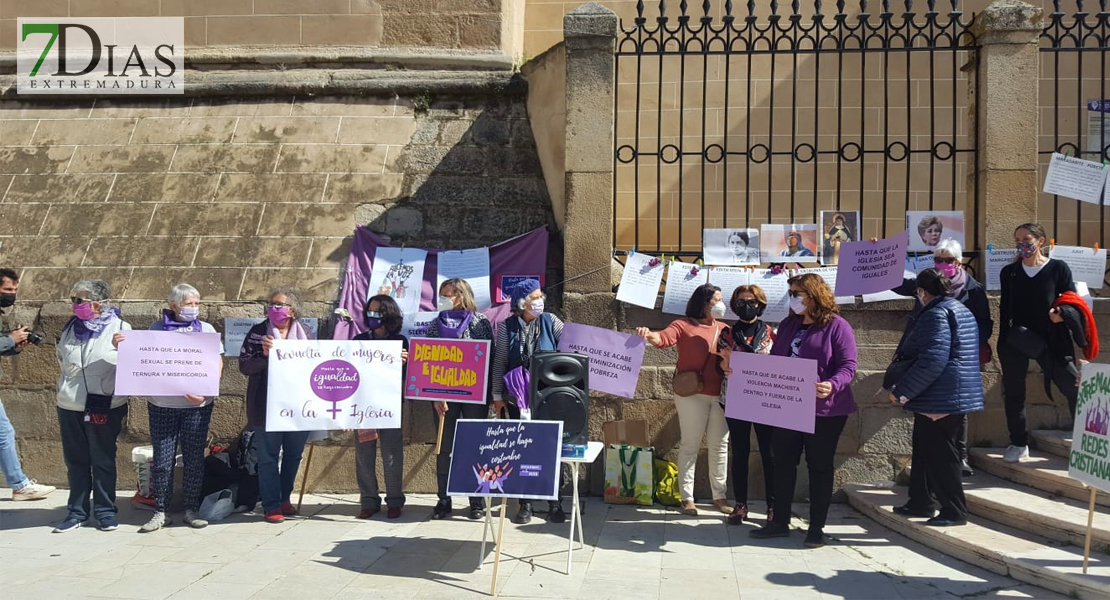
974,297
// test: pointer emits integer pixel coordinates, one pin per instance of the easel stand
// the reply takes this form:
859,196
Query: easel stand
304,480
497,552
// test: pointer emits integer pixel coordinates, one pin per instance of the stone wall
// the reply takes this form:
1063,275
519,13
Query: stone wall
236,195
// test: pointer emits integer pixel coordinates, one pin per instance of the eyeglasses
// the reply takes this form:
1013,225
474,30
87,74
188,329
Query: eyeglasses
76,300
943,260
797,294
280,305
373,315
751,303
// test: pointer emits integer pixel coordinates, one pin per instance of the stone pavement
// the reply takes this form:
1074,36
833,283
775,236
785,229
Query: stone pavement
640,553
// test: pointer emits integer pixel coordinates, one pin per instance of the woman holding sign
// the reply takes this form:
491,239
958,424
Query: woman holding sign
383,322
814,330
940,385
458,319
699,337
275,482
90,415
181,419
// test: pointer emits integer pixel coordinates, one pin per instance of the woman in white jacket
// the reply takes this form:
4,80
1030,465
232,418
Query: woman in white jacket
89,414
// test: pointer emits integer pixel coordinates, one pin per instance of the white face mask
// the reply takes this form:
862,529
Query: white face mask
536,307
445,304
718,310
798,305
188,314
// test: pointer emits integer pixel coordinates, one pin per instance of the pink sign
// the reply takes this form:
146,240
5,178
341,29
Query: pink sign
168,363
615,357
773,390
870,267
448,370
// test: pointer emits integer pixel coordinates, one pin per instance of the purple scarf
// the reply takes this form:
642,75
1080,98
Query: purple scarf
170,323
452,323
958,283
87,330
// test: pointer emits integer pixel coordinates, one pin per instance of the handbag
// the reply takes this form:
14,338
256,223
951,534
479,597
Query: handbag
688,383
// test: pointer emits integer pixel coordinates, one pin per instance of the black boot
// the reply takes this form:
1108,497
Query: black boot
442,509
524,513
555,512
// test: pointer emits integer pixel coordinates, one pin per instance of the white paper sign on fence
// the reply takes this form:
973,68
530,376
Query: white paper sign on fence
399,274
640,281
996,259
682,280
329,384
829,275
1075,178
469,265
1087,264
728,279
776,288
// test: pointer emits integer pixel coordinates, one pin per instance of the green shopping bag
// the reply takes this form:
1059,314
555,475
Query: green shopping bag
666,483
628,475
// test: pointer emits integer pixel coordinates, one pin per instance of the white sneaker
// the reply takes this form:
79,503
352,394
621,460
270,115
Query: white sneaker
156,522
32,491
192,519
1015,454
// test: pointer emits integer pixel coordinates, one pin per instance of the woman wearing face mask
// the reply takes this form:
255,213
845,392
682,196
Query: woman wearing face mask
181,419
1030,286
528,331
816,331
750,334
458,319
699,337
948,258
275,481
941,386
90,416
383,322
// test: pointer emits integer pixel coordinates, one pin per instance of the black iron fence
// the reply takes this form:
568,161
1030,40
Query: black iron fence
735,119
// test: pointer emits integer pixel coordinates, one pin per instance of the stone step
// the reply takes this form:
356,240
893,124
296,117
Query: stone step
1052,441
1045,472
1022,507
992,546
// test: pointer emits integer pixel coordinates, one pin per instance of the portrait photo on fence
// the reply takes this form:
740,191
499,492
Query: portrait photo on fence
929,227
837,227
792,242
730,247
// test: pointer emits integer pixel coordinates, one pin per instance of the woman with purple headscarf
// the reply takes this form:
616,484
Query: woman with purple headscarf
90,415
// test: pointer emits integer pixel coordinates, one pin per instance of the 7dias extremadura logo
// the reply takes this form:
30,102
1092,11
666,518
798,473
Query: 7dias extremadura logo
127,55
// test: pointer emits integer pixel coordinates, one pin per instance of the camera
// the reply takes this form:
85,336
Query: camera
34,337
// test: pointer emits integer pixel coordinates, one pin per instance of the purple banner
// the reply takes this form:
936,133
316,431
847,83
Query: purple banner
615,357
525,253
773,390
168,363
869,267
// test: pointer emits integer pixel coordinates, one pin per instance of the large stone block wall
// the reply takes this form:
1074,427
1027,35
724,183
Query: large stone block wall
235,196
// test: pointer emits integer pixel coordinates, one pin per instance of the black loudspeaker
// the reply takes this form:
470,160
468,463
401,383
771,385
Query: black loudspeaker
560,391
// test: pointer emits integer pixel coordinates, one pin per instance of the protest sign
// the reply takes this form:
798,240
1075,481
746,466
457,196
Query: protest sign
640,281
919,263
471,266
398,273
1075,178
997,258
168,363
682,280
1087,264
1090,439
416,324
773,390
448,370
869,267
236,329
506,283
317,385
777,289
506,458
615,357
829,275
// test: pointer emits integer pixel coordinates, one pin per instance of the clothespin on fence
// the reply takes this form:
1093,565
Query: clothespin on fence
1051,244
1096,247
990,248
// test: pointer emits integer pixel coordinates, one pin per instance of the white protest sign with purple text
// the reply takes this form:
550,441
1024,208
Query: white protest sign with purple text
168,363
331,384
615,357
868,267
773,390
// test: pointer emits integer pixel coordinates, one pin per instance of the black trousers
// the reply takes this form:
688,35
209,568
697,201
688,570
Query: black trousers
564,472
936,466
455,411
1015,369
820,450
740,438
90,456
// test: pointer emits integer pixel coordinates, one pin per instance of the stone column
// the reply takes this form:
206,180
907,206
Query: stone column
1006,94
590,34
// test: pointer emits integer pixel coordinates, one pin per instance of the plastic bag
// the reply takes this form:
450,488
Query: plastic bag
217,506
666,483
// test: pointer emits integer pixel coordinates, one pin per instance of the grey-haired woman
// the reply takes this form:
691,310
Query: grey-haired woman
90,415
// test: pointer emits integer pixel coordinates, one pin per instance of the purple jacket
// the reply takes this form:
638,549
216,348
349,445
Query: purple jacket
834,348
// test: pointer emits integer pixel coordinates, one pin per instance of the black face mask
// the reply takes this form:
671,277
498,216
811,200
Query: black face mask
749,313
7,300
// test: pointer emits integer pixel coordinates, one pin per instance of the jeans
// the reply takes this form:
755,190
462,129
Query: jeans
90,455
820,450
702,416
740,436
9,454
1015,369
392,442
168,426
455,411
276,485
936,466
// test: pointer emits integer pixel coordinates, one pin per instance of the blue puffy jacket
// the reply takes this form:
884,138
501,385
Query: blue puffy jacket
943,341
